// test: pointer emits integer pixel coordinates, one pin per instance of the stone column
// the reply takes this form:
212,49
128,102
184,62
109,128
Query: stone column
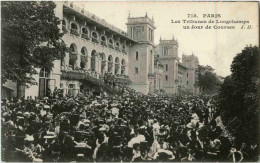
66,59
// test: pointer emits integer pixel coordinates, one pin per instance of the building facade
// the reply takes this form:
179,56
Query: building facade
99,47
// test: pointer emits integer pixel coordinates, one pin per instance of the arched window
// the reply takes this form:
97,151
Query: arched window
73,56
93,60
72,48
117,65
123,67
103,41
117,44
123,47
136,56
110,63
103,38
74,29
74,26
84,57
85,31
94,34
110,41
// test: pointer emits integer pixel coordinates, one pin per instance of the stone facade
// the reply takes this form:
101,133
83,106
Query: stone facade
100,47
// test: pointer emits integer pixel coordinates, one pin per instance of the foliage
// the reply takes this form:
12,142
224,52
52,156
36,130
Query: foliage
207,81
238,97
30,39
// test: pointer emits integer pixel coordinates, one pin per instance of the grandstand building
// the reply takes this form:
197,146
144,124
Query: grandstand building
99,47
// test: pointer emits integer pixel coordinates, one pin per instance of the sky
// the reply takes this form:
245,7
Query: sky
214,47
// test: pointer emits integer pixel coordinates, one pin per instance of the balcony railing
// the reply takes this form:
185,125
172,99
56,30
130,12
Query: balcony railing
108,82
95,40
110,46
123,80
85,36
74,32
103,43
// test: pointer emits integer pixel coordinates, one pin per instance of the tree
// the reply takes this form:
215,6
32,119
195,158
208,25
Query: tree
207,81
238,97
30,39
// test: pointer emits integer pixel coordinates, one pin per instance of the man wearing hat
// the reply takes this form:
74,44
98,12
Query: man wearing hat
52,148
67,147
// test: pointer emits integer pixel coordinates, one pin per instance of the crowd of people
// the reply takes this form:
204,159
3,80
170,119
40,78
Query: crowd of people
107,77
131,127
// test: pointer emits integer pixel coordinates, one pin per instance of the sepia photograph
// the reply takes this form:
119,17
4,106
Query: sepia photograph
130,81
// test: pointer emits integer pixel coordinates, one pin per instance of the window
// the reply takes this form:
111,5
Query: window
94,34
136,70
110,41
117,44
74,26
187,82
187,75
166,77
84,31
136,56
166,67
44,73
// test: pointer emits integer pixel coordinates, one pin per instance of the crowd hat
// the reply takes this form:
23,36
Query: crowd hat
166,153
50,135
29,138
46,107
37,160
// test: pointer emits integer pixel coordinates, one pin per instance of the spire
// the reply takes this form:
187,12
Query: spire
128,14
146,14
160,37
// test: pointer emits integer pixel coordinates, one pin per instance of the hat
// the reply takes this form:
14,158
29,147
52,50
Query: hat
50,135
29,138
20,117
37,160
85,121
102,129
46,107
80,155
169,153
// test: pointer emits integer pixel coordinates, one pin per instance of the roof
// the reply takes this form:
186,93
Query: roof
93,19
181,65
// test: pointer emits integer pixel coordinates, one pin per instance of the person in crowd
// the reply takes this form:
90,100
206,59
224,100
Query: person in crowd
130,127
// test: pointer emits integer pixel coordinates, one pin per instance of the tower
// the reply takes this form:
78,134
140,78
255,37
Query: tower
141,29
141,56
191,62
168,55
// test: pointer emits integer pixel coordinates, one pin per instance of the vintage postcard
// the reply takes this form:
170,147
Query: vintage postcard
129,81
